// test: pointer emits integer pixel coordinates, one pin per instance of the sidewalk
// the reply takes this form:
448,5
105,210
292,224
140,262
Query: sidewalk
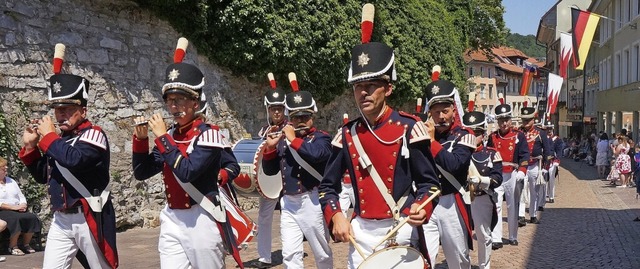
589,226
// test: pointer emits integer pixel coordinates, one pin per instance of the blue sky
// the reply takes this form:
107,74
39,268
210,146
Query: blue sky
523,16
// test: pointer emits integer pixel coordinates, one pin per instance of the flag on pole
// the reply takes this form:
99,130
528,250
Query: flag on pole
555,84
584,25
566,51
527,78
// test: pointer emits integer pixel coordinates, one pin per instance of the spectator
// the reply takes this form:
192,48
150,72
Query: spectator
602,155
623,162
3,225
636,172
13,210
632,153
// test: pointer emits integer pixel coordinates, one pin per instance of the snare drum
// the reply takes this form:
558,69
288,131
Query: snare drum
244,229
404,257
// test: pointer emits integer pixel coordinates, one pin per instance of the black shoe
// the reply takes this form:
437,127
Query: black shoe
522,222
259,264
495,246
636,219
551,200
534,220
513,242
540,208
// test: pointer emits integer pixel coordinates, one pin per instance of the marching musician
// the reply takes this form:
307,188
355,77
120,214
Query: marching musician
451,147
556,151
385,152
512,146
300,152
187,154
540,154
274,103
75,166
488,164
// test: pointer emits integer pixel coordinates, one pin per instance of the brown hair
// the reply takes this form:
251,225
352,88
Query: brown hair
3,162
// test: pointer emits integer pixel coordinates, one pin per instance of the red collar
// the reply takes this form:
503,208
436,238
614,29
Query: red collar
83,125
386,113
187,127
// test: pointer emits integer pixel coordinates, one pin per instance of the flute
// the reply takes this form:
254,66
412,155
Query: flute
281,132
175,115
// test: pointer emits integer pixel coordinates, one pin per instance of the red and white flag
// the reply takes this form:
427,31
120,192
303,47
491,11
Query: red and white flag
566,51
553,93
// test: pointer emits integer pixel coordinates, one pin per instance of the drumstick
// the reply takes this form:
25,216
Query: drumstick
395,229
355,245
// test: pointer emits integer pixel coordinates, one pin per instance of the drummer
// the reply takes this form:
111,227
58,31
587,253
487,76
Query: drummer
300,152
377,149
274,103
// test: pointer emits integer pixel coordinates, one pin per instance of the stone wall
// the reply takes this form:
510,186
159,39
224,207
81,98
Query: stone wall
123,50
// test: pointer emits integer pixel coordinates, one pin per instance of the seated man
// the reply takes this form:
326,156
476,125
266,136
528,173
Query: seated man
13,210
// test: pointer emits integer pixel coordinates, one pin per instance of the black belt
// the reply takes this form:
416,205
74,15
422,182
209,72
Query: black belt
71,210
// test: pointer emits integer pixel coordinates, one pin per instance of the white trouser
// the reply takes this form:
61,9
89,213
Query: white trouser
369,232
523,202
535,189
302,217
189,238
482,211
346,198
68,234
552,181
507,189
265,224
446,226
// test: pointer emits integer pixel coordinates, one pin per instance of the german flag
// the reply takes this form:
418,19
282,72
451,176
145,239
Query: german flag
584,25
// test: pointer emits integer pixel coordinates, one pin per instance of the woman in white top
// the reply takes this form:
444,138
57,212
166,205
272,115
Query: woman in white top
13,210
602,155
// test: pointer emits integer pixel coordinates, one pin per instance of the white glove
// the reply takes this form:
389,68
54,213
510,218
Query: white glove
556,164
484,183
544,172
520,176
474,180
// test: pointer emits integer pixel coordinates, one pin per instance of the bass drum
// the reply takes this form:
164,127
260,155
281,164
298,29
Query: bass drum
245,152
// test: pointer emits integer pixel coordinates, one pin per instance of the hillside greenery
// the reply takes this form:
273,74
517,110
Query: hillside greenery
313,38
526,44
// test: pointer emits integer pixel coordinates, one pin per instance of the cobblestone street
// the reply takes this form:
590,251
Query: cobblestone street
589,226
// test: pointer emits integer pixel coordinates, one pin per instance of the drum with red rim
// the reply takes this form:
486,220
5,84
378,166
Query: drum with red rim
404,257
252,181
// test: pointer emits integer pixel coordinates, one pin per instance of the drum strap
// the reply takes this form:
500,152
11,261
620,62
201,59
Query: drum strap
217,212
304,163
366,162
466,197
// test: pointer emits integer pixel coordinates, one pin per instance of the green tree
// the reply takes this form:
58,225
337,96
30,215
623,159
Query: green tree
313,38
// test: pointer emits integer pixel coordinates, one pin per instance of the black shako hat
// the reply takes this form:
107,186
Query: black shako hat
503,111
298,103
475,120
182,78
439,91
527,113
371,61
66,89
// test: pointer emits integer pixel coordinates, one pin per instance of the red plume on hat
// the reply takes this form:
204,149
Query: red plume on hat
345,118
472,102
435,73
501,98
181,50
419,105
58,58
272,81
293,81
366,25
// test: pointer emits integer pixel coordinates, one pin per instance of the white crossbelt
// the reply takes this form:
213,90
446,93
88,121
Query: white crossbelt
304,163
366,162
95,202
